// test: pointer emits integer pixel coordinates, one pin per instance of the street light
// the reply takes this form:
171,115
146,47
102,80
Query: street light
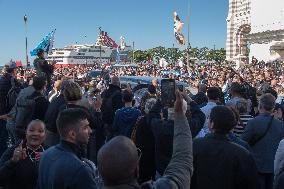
188,50
26,20
100,29
133,53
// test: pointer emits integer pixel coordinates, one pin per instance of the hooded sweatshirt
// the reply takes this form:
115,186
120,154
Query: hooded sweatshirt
124,121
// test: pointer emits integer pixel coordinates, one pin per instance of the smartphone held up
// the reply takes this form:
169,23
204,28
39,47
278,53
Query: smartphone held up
168,92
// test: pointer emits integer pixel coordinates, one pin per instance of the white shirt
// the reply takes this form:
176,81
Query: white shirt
206,110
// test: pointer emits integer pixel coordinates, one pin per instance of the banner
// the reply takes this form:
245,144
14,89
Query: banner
180,39
46,44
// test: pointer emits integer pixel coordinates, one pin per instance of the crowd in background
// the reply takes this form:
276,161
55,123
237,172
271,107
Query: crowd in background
60,128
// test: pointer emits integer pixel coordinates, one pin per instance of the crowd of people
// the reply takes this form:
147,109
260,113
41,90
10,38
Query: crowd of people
60,129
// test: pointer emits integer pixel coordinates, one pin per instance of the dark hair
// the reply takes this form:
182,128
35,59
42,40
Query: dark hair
270,90
236,113
241,106
127,96
223,118
39,52
68,119
6,69
267,102
72,91
236,88
39,82
281,107
152,89
213,93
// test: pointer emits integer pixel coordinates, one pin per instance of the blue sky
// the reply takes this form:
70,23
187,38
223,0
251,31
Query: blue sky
147,22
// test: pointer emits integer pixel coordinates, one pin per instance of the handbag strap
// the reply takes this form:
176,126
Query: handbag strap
266,130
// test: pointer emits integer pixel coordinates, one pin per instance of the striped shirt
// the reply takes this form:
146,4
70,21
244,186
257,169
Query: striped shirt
239,129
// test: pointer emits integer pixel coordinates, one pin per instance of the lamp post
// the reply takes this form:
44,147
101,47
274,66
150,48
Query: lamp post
100,30
26,31
133,52
188,50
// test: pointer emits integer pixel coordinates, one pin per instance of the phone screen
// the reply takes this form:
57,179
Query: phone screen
168,90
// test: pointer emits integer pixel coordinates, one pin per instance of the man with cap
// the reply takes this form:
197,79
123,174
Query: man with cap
9,76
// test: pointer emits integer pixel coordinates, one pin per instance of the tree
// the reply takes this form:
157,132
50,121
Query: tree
174,54
140,56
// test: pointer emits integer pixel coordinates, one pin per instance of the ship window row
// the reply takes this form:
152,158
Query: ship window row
77,57
97,51
87,57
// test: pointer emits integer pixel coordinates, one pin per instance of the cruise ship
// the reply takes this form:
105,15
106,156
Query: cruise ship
101,52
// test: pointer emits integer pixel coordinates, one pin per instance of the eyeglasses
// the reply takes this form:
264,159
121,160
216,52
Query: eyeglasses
139,152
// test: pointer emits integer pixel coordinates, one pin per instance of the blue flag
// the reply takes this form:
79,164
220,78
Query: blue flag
46,44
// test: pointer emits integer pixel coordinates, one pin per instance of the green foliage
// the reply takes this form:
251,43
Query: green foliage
174,54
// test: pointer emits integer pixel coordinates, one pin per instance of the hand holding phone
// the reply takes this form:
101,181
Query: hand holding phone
168,92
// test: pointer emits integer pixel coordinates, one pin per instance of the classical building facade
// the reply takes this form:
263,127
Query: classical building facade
255,28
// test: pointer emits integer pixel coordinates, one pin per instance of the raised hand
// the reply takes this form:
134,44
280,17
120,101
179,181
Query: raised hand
19,153
178,102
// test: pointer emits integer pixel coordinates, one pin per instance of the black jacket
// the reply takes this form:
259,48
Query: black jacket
62,167
221,164
22,174
113,92
41,106
41,65
200,98
163,131
145,141
196,119
52,113
5,86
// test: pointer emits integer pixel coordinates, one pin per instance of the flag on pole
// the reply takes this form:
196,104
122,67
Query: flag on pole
180,39
46,44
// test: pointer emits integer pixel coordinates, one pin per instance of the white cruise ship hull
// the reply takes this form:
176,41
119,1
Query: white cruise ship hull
80,54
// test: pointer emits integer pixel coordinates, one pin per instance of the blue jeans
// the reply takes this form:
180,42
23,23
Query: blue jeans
3,137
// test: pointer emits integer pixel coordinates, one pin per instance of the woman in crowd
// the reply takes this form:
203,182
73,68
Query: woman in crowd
233,137
244,117
19,164
278,112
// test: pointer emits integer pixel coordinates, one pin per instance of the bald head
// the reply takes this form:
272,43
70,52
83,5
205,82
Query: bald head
118,161
115,81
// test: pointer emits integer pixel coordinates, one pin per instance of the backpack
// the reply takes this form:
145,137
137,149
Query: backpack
13,94
134,131
24,113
